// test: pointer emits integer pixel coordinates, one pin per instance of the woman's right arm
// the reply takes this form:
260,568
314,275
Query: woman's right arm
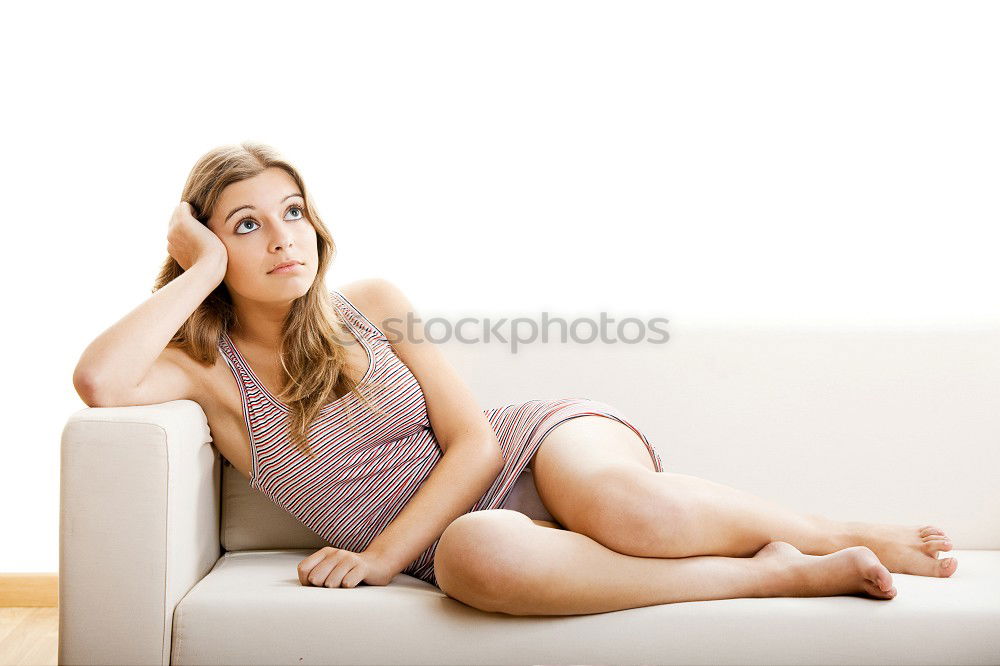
128,364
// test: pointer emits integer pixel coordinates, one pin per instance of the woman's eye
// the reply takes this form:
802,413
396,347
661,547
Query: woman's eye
252,221
242,222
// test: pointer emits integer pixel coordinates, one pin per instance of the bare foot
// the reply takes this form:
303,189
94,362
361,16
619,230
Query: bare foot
906,549
791,573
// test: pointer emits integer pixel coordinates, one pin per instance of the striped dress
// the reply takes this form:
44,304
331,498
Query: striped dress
368,466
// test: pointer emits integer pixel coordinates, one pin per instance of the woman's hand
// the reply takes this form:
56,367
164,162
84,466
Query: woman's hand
189,241
336,567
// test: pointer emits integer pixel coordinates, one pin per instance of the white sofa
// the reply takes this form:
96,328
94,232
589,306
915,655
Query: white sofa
167,555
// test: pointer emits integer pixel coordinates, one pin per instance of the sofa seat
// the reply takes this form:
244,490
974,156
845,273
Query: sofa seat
251,609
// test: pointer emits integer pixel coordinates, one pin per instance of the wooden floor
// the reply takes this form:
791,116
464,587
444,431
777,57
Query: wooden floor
28,635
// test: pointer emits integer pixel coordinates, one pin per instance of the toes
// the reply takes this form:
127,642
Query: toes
930,529
877,574
883,579
875,591
932,546
946,566
931,537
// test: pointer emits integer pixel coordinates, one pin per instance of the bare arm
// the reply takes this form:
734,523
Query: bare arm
472,454
464,473
113,367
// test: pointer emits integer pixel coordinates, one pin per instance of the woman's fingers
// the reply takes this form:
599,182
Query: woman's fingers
353,577
333,567
306,566
321,572
336,576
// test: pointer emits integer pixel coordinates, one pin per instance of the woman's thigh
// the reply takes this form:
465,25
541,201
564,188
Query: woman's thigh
586,467
591,442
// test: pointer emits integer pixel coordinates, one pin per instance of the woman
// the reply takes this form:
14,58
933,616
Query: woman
396,449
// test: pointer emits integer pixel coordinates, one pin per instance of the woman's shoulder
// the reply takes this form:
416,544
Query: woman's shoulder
362,292
373,298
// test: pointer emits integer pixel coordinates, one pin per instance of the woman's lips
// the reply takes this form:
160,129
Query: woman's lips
286,269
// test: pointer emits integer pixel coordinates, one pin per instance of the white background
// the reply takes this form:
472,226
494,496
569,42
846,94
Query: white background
735,162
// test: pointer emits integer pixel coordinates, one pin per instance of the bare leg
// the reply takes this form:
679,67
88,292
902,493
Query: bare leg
500,563
596,478
719,520
687,515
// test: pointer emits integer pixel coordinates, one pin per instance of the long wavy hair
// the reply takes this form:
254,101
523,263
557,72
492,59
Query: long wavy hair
312,355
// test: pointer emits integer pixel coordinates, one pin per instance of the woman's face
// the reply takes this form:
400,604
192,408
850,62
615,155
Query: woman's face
262,223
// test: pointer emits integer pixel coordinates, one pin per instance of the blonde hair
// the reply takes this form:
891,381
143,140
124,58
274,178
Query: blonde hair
312,357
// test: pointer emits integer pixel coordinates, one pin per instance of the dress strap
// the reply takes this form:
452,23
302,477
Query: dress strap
358,316
249,385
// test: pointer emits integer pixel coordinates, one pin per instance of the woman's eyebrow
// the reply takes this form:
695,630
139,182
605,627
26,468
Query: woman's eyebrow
239,208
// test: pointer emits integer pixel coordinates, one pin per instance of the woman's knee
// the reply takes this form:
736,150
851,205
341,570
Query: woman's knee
480,558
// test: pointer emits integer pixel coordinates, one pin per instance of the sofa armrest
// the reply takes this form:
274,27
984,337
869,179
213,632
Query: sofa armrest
138,527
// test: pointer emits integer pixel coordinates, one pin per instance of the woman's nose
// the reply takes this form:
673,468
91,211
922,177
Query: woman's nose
283,244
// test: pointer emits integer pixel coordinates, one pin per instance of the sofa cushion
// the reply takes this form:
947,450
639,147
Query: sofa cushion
250,520
251,609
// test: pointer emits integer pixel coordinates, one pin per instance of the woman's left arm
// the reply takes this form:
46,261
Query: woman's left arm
472,456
